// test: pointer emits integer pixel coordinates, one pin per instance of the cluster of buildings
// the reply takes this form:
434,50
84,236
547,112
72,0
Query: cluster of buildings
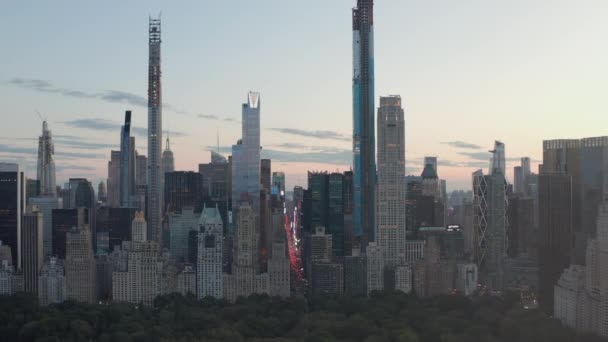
230,229
576,236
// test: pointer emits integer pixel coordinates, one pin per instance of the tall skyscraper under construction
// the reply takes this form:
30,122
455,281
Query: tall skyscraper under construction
46,162
364,157
155,131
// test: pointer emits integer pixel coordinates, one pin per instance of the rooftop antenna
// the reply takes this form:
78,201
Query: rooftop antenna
218,140
168,148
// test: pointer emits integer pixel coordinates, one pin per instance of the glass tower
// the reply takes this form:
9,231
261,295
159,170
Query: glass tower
246,157
364,158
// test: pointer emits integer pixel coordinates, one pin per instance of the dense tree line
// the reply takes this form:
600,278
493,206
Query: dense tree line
383,317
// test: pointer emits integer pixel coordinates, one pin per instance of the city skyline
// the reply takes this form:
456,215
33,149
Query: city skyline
459,98
436,77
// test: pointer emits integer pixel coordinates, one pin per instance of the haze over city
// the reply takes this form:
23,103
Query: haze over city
469,73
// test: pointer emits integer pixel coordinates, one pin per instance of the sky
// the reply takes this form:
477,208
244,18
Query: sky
469,72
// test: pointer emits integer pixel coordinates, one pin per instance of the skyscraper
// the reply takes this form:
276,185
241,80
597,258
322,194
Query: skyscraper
490,225
431,161
31,245
138,277
556,233
141,182
139,228
11,208
375,268
80,271
46,205
216,178
102,193
155,133
209,256
526,172
46,161
563,157
52,287
141,170
518,180
127,163
335,211
413,194
594,181
246,158
181,223
316,211
32,189
183,189
63,222
278,183
497,163
364,158
265,174
113,196
168,161
80,194
279,271
113,227
586,160
245,279
390,213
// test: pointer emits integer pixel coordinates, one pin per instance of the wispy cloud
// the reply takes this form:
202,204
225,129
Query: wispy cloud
230,119
96,124
78,155
123,97
477,155
475,164
30,151
462,144
63,136
16,149
113,96
331,135
518,159
107,125
448,163
292,146
83,143
341,157
208,116
67,167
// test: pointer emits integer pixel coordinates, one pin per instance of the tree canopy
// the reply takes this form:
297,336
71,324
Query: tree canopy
384,317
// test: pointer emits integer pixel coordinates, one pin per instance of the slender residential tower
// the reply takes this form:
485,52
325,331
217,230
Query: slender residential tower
46,162
364,158
155,129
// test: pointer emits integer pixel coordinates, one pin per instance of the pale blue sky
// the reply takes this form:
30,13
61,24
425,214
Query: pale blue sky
468,71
